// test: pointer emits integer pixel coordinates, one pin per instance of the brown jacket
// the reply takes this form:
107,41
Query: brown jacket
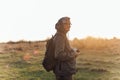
65,56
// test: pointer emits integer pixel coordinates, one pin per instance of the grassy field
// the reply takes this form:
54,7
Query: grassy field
91,65
13,67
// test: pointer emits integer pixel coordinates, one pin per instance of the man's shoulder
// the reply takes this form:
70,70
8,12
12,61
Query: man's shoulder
59,37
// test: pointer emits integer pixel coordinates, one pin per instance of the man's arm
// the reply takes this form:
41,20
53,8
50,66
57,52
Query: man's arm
60,52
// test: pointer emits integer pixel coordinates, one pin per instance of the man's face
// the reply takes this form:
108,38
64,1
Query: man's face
66,26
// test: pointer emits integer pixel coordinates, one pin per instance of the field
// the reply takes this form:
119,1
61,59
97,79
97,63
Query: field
22,60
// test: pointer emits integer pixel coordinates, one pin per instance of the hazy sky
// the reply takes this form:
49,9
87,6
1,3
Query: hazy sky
35,19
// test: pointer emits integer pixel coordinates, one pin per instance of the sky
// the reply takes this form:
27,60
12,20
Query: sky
36,19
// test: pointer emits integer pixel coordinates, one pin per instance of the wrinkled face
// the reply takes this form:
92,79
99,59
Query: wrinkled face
63,24
66,26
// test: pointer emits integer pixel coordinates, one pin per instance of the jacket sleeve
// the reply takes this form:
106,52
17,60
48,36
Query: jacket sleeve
60,53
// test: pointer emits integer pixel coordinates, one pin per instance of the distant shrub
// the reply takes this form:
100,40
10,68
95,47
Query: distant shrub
10,42
94,43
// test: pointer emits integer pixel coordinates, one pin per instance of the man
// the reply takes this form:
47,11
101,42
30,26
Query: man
64,54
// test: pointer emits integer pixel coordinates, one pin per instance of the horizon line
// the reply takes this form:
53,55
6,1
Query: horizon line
114,37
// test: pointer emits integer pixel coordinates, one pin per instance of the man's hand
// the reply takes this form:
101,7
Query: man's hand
77,51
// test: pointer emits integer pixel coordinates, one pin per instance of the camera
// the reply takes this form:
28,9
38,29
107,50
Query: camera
76,50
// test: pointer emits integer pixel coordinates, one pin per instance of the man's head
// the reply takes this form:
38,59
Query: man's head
63,24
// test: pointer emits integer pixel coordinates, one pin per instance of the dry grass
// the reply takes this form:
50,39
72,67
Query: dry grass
99,60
